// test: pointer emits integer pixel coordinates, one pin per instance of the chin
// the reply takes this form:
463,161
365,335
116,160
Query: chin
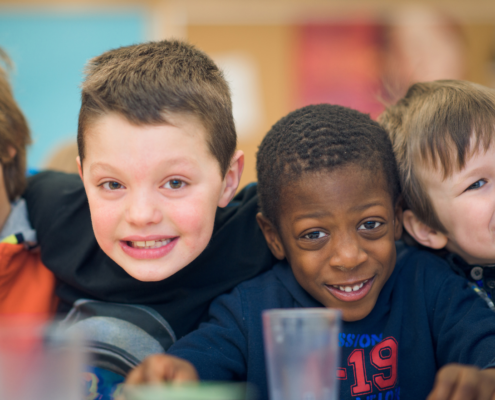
355,315
150,274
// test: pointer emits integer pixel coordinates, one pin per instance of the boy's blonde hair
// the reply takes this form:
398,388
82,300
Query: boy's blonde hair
437,125
14,133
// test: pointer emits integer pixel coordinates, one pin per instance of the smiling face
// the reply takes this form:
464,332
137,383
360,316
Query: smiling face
337,230
153,192
465,205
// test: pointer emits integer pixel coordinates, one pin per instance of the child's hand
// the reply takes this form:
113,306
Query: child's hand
462,382
162,367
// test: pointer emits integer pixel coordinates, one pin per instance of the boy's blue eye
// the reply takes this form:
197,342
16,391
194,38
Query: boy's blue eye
368,225
315,235
112,185
174,184
477,184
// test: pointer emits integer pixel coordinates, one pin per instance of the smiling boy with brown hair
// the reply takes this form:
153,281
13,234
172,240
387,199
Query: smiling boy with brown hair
329,195
158,166
157,158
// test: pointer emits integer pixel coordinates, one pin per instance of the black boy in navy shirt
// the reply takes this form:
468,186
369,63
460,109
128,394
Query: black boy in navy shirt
328,190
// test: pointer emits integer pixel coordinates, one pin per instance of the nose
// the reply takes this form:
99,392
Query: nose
346,252
142,210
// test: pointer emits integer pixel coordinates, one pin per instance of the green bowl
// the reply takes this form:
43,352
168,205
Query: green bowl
189,391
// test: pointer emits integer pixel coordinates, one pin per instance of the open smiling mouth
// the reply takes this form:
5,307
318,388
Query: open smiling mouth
149,244
352,292
349,289
148,249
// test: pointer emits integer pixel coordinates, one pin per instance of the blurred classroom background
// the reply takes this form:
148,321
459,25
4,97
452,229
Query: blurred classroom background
277,54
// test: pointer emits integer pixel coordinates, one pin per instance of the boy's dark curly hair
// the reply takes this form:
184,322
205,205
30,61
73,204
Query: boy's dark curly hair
320,137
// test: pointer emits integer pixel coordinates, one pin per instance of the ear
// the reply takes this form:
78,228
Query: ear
398,220
271,236
12,152
79,167
422,233
232,178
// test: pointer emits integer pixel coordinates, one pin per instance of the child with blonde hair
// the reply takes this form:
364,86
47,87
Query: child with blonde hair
442,134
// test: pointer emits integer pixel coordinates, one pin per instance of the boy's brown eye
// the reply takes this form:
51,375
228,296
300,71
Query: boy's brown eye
315,235
174,184
112,185
369,225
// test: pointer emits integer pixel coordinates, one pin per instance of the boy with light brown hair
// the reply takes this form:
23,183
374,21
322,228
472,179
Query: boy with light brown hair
442,133
155,163
145,228
26,286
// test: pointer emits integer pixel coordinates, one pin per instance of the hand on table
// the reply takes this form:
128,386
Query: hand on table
462,382
161,368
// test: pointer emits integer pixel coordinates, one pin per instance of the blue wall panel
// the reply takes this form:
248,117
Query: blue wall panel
49,52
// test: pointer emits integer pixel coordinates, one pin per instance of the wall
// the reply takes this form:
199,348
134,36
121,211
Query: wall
267,32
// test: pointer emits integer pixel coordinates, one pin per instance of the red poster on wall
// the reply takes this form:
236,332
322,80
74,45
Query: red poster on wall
340,63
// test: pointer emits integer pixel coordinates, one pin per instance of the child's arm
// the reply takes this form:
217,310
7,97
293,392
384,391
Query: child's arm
462,382
217,349
162,367
464,330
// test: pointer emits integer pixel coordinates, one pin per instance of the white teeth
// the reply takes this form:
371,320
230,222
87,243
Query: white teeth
349,289
149,244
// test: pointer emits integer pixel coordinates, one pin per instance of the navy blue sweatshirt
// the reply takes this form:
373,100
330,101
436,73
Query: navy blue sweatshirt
425,317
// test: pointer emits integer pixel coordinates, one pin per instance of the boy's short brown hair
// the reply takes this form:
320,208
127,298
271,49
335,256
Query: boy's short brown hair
434,125
14,133
145,82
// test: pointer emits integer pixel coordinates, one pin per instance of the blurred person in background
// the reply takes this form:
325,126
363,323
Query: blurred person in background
63,158
26,286
421,45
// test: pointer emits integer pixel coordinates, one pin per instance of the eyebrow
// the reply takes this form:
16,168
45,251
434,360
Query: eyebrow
101,165
315,215
367,205
319,214
171,162
471,174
